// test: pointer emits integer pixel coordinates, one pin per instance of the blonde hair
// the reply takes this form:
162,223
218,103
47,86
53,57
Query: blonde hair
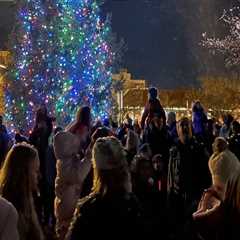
220,145
111,173
15,186
132,141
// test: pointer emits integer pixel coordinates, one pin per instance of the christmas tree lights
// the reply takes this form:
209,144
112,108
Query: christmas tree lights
62,57
86,59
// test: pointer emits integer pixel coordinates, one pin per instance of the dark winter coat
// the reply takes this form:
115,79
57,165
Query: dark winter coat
4,143
159,141
234,144
152,109
108,217
39,138
172,130
188,172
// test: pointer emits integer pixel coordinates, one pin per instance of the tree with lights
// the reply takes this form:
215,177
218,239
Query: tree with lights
62,57
33,78
229,46
86,59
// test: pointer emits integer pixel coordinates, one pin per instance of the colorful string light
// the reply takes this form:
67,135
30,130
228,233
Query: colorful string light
62,57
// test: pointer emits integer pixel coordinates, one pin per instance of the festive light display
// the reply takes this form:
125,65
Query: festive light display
85,59
62,57
229,45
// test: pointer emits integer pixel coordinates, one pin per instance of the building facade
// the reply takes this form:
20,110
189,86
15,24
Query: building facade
4,63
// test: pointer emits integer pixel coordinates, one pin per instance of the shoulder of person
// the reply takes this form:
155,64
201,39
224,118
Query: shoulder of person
65,136
8,213
222,156
227,154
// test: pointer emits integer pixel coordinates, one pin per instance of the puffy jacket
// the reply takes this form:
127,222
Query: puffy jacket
118,213
71,172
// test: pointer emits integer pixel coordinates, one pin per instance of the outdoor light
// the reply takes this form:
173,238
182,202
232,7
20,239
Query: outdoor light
3,67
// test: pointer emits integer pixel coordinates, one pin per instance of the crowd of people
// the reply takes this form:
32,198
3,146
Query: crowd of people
153,177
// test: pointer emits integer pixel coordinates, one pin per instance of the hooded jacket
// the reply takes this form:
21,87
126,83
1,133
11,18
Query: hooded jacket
71,173
222,166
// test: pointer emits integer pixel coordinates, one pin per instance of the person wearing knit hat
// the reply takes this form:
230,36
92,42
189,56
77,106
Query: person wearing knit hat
108,154
222,164
111,207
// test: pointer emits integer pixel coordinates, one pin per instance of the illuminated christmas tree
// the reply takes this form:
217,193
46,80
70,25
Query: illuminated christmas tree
86,59
62,57
33,78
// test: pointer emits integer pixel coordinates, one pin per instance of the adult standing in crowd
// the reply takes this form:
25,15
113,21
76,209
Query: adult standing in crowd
222,164
199,120
158,138
4,141
18,182
188,173
39,138
51,173
234,139
40,135
82,125
73,166
209,135
88,183
225,130
132,145
111,207
172,125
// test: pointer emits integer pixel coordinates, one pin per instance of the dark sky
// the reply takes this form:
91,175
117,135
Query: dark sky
162,37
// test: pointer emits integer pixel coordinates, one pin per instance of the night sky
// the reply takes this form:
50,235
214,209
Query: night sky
162,37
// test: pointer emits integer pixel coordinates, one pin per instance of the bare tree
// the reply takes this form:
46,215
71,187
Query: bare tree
229,46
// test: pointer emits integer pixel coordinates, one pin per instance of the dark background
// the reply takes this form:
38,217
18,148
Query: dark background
162,37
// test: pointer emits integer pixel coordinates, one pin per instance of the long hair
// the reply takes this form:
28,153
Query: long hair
15,185
83,117
132,143
115,179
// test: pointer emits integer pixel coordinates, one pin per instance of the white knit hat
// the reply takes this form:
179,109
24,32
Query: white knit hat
108,153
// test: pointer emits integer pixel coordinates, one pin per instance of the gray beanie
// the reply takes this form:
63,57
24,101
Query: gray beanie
108,153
